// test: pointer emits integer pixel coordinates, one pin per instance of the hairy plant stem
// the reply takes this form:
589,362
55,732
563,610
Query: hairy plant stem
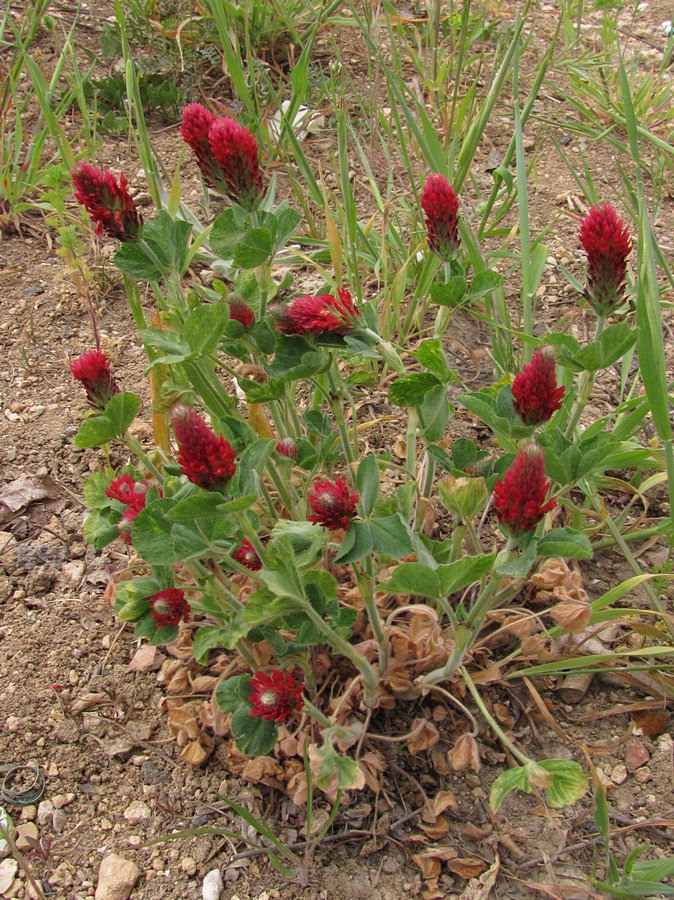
335,395
585,386
411,441
132,444
343,647
316,714
366,581
250,533
496,728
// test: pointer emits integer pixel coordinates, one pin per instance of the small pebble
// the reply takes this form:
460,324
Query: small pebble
642,775
45,811
618,774
138,811
212,885
189,865
61,800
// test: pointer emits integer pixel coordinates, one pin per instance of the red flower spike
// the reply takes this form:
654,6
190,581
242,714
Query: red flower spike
441,207
287,447
235,154
241,312
196,124
275,696
314,315
332,504
206,458
246,554
536,394
132,493
519,497
169,607
107,201
92,370
607,243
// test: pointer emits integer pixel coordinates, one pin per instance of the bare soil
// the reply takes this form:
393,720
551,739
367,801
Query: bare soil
76,700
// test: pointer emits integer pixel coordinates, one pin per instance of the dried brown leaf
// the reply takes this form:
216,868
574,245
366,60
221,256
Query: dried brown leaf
435,830
651,722
196,753
467,867
373,764
143,659
465,754
203,684
473,832
422,736
572,615
263,769
183,725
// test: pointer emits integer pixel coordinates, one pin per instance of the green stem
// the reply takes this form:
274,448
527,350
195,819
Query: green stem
585,385
133,444
343,647
366,583
411,441
503,737
338,413
316,714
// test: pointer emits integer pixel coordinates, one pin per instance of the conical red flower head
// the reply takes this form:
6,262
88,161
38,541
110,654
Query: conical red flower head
206,458
234,150
519,497
607,243
315,315
287,447
332,504
92,370
246,554
169,607
441,207
196,124
275,696
241,312
107,201
133,494
536,394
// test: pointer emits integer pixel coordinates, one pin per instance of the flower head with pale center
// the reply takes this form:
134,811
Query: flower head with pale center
207,459
519,497
107,201
92,370
607,243
276,696
441,208
536,394
316,315
247,555
333,505
132,494
169,607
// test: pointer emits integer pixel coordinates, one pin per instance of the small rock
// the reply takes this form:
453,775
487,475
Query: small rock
138,811
25,834
44,812
152,774
67,731
636,754
232,875
212,885
58,820
8,868
643,775
12,723
135,840
618,774
28,813
106,825
53,770
116,878
390,865
61,800
189,865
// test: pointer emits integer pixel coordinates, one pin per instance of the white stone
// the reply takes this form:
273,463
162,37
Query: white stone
138,811
8,868
212,886
116,878
45,811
